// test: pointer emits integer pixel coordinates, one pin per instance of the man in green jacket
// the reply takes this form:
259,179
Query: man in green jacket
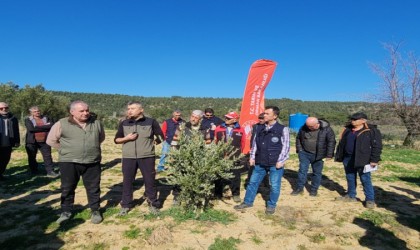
78,139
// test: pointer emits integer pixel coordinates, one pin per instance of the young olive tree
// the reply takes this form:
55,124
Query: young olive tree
195,166
400,83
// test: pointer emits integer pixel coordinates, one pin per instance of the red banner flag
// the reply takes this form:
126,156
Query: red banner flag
259,76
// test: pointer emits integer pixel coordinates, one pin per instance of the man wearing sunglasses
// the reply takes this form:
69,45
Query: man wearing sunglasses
360,144
210,121
9,136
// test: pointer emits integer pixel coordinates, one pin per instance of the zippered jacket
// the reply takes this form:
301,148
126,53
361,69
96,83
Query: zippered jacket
325,144
368,145
148,131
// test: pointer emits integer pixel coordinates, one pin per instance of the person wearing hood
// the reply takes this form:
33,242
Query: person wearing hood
360,145
9,136
231,129
314,142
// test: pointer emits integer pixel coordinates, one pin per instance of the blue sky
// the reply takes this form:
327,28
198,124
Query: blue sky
203,48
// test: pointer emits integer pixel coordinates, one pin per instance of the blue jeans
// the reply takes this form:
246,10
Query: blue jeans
306,158
257,176
351,176
165,150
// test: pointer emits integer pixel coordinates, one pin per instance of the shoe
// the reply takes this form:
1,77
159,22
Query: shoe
346,198
175,202
154,210
96,217
160,169
370,204
270,210
242,206
237,198
53,174
64,216
123,211
297,192
313,193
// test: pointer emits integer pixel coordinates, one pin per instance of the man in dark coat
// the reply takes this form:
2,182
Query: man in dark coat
37,128
360,146
314,142
9,136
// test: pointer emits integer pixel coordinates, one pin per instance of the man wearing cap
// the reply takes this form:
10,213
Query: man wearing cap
169,128
360,144
269,153
210,121
231,129
314,142
9,136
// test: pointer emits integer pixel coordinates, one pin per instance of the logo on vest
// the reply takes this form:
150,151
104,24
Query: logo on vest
275,139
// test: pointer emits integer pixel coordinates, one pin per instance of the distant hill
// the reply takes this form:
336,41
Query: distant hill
160,108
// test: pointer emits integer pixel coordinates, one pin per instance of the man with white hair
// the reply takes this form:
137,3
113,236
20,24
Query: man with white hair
9,136
314,142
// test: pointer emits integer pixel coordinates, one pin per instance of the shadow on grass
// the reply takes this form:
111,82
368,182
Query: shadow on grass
110,164
407,212
377,237
113,196
29,223
20,182
291,176
413,180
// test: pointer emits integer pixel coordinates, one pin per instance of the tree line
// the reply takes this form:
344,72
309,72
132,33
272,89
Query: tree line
110,108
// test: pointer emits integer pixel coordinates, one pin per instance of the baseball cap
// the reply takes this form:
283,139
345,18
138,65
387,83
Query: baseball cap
232,115
358,115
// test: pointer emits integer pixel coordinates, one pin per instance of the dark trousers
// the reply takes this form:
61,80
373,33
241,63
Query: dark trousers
147,169
5,153
32,150
70,176
234,184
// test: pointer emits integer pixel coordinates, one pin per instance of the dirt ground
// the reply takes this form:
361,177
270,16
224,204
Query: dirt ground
300,222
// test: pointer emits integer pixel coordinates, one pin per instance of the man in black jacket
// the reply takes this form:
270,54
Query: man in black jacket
314,142
9,136
360,145
37,128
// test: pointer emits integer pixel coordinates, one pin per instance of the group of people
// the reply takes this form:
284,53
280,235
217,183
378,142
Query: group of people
37,128
78,139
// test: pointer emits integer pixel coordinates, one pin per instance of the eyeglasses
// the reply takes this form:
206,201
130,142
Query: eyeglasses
209,115
4,108
228,119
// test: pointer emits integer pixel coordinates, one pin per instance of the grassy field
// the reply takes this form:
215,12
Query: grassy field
29,207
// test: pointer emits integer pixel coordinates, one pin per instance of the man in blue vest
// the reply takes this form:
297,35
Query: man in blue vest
169,128
269,152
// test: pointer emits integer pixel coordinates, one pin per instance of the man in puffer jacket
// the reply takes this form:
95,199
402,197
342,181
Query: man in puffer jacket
314,142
